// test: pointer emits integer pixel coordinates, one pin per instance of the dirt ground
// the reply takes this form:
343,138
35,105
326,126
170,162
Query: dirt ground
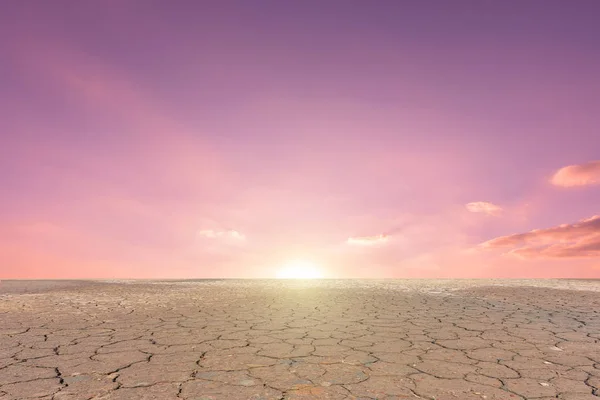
329,339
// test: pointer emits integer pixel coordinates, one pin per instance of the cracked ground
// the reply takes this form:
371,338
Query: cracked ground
331,339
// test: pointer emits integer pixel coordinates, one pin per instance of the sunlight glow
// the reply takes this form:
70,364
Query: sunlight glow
299,269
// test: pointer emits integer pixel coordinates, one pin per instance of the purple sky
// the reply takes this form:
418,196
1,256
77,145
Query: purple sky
225,138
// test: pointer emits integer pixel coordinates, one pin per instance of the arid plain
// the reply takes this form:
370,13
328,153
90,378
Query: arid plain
287,339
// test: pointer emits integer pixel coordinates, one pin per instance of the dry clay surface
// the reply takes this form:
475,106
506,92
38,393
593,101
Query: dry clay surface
331,339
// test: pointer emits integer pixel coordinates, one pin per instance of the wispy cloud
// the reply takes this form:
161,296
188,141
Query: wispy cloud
578,175
484,207
368,240
577,240
226,235
150,136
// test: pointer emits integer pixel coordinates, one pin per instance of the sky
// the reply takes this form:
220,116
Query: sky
226,139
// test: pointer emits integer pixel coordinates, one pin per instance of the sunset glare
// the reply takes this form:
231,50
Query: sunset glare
300,270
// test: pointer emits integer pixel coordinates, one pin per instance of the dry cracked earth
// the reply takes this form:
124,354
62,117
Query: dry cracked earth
331,339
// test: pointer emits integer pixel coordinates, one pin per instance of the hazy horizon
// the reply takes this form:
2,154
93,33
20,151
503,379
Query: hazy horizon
256,139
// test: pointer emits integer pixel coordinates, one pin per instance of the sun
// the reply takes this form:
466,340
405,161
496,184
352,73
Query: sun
299,269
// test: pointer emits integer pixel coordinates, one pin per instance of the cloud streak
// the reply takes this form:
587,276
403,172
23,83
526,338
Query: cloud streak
484,207
225,235
576,240
367,241
586,174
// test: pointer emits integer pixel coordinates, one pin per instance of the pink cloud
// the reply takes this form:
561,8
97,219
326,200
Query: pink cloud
225,235
578,175
484,207
577,240
368,240
586,248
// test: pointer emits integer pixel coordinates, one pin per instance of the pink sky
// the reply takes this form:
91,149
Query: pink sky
388,139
